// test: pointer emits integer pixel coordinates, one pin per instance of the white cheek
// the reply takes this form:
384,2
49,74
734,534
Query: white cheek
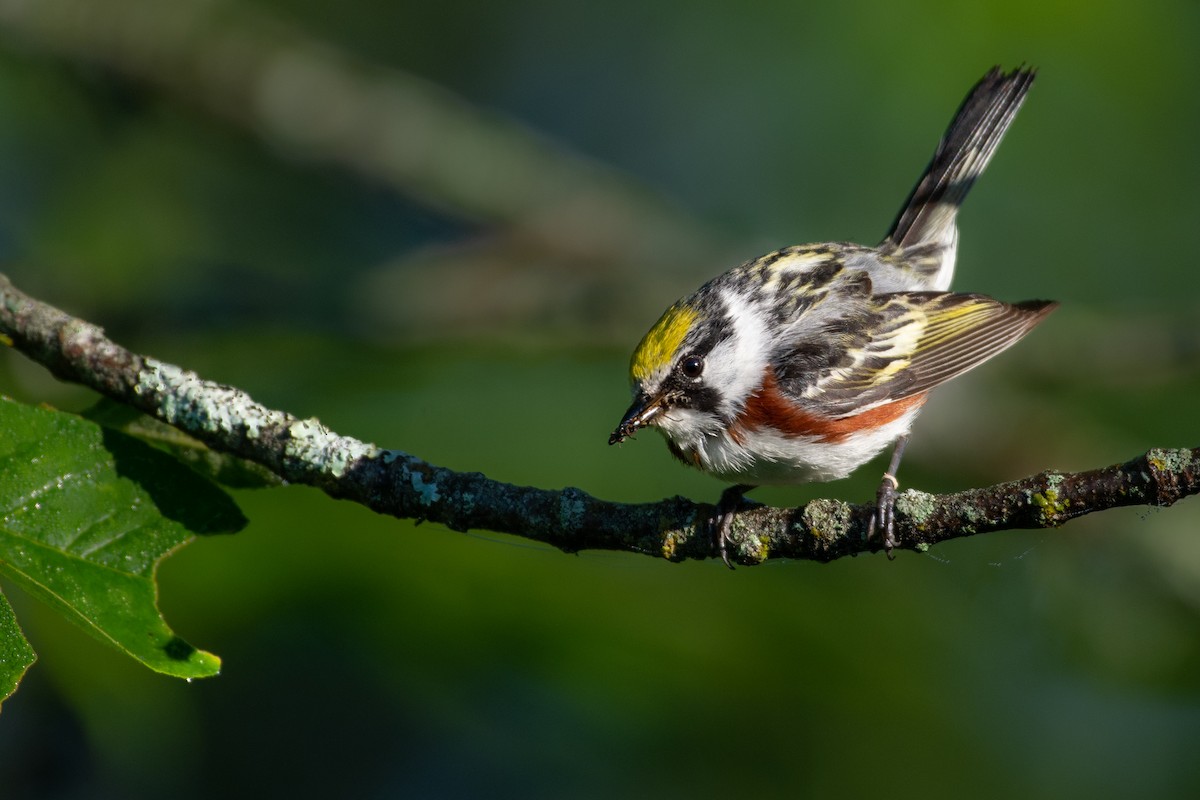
736,365
688,428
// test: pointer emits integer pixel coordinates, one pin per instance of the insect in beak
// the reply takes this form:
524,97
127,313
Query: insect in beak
640,414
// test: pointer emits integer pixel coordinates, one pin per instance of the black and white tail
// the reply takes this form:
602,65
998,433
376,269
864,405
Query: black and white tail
926,223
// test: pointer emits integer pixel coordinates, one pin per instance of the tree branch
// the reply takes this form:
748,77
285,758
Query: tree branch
404,486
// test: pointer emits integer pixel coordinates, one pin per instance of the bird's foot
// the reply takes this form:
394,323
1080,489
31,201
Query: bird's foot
722,519
884,518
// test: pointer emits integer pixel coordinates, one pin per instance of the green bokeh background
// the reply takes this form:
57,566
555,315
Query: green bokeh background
368,657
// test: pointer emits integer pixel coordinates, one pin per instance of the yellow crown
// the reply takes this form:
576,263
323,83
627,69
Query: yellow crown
660,343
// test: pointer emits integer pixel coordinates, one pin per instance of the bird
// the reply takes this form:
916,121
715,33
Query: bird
803,364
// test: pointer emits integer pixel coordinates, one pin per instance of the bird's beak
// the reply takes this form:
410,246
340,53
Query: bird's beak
640,414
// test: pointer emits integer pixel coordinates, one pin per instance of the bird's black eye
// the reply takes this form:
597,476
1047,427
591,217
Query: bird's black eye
692,366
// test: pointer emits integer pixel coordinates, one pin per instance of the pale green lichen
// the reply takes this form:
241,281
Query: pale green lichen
571,508
311,443
427,490
427,493
752,547
673,538
918,507
1169,460
755,548
972,514
826,518
188,402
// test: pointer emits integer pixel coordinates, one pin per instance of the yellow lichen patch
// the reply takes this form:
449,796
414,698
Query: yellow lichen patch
658,346
669,545
1050,504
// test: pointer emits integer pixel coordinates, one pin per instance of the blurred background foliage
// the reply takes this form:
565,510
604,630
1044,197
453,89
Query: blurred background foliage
442,226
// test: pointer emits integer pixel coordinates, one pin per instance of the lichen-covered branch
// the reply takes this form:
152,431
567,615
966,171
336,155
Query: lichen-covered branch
402,485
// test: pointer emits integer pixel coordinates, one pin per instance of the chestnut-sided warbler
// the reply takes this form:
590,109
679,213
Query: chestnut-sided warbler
803,364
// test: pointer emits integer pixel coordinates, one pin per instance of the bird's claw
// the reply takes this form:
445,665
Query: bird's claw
722,519
884,518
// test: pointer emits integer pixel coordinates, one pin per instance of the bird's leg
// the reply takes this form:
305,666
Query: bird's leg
884,518
722,520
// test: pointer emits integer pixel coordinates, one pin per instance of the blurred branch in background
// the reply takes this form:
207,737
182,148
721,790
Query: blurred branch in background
566,246
396,483
563,221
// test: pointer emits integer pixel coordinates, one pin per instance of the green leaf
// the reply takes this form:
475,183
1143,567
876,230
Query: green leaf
86,514
15,653
222,468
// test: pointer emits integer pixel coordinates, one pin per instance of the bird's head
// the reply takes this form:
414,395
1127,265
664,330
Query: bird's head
694,368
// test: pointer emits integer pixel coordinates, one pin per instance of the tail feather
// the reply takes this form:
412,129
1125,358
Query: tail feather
928,215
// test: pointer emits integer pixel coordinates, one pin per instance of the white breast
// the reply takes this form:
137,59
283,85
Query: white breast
765,456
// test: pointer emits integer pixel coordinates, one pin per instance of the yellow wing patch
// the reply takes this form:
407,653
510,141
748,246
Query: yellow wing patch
932,339
660,343
951,320
963,331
